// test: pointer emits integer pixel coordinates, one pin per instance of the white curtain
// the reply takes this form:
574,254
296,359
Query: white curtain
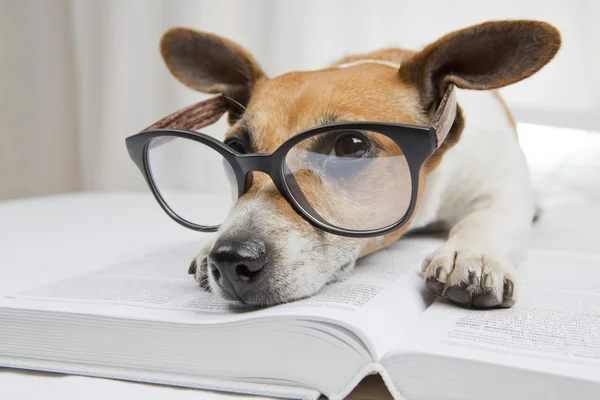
77,77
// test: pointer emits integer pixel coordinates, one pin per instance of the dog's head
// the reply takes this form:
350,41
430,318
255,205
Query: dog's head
265,251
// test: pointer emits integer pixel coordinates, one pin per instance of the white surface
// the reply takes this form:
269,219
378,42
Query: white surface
34,385
47,231
80,233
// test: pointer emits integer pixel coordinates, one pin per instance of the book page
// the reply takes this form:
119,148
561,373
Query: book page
554,327
383,294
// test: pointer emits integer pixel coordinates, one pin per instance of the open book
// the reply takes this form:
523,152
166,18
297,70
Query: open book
144,320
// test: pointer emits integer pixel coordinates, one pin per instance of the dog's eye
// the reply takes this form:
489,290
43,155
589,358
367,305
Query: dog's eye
350,145
236,145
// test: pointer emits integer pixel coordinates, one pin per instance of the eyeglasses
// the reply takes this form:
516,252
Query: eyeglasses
355,179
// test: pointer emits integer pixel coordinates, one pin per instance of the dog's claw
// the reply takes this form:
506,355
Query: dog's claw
192,268
509,289
441,275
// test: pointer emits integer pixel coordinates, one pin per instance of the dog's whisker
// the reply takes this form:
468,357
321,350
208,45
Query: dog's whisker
337,84
389,252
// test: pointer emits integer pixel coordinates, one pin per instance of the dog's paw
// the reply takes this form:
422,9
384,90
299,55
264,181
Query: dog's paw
199,269
470,278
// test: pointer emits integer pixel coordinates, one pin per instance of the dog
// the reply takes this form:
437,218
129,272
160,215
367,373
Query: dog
476,185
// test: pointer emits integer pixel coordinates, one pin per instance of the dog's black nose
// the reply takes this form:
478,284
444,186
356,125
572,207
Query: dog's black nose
237,263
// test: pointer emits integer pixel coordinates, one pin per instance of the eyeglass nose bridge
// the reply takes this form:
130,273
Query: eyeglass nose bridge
268,164
256,163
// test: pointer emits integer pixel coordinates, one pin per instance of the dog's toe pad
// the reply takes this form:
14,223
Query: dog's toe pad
434,285
458,294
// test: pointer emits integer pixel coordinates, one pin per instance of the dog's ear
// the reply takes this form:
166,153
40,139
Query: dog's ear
485,56
211,64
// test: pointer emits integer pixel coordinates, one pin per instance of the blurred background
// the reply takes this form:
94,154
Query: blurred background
77,77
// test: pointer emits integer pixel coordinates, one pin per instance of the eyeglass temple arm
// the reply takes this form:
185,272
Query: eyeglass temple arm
195,116
444,116
209,111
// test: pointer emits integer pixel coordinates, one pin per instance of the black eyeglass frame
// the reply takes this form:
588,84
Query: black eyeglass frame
417,143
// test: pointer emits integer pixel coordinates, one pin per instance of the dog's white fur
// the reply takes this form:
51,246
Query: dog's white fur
482,191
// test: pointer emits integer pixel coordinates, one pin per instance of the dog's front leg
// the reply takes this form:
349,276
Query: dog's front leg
476,266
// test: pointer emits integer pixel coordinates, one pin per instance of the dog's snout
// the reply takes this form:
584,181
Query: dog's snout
237,264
